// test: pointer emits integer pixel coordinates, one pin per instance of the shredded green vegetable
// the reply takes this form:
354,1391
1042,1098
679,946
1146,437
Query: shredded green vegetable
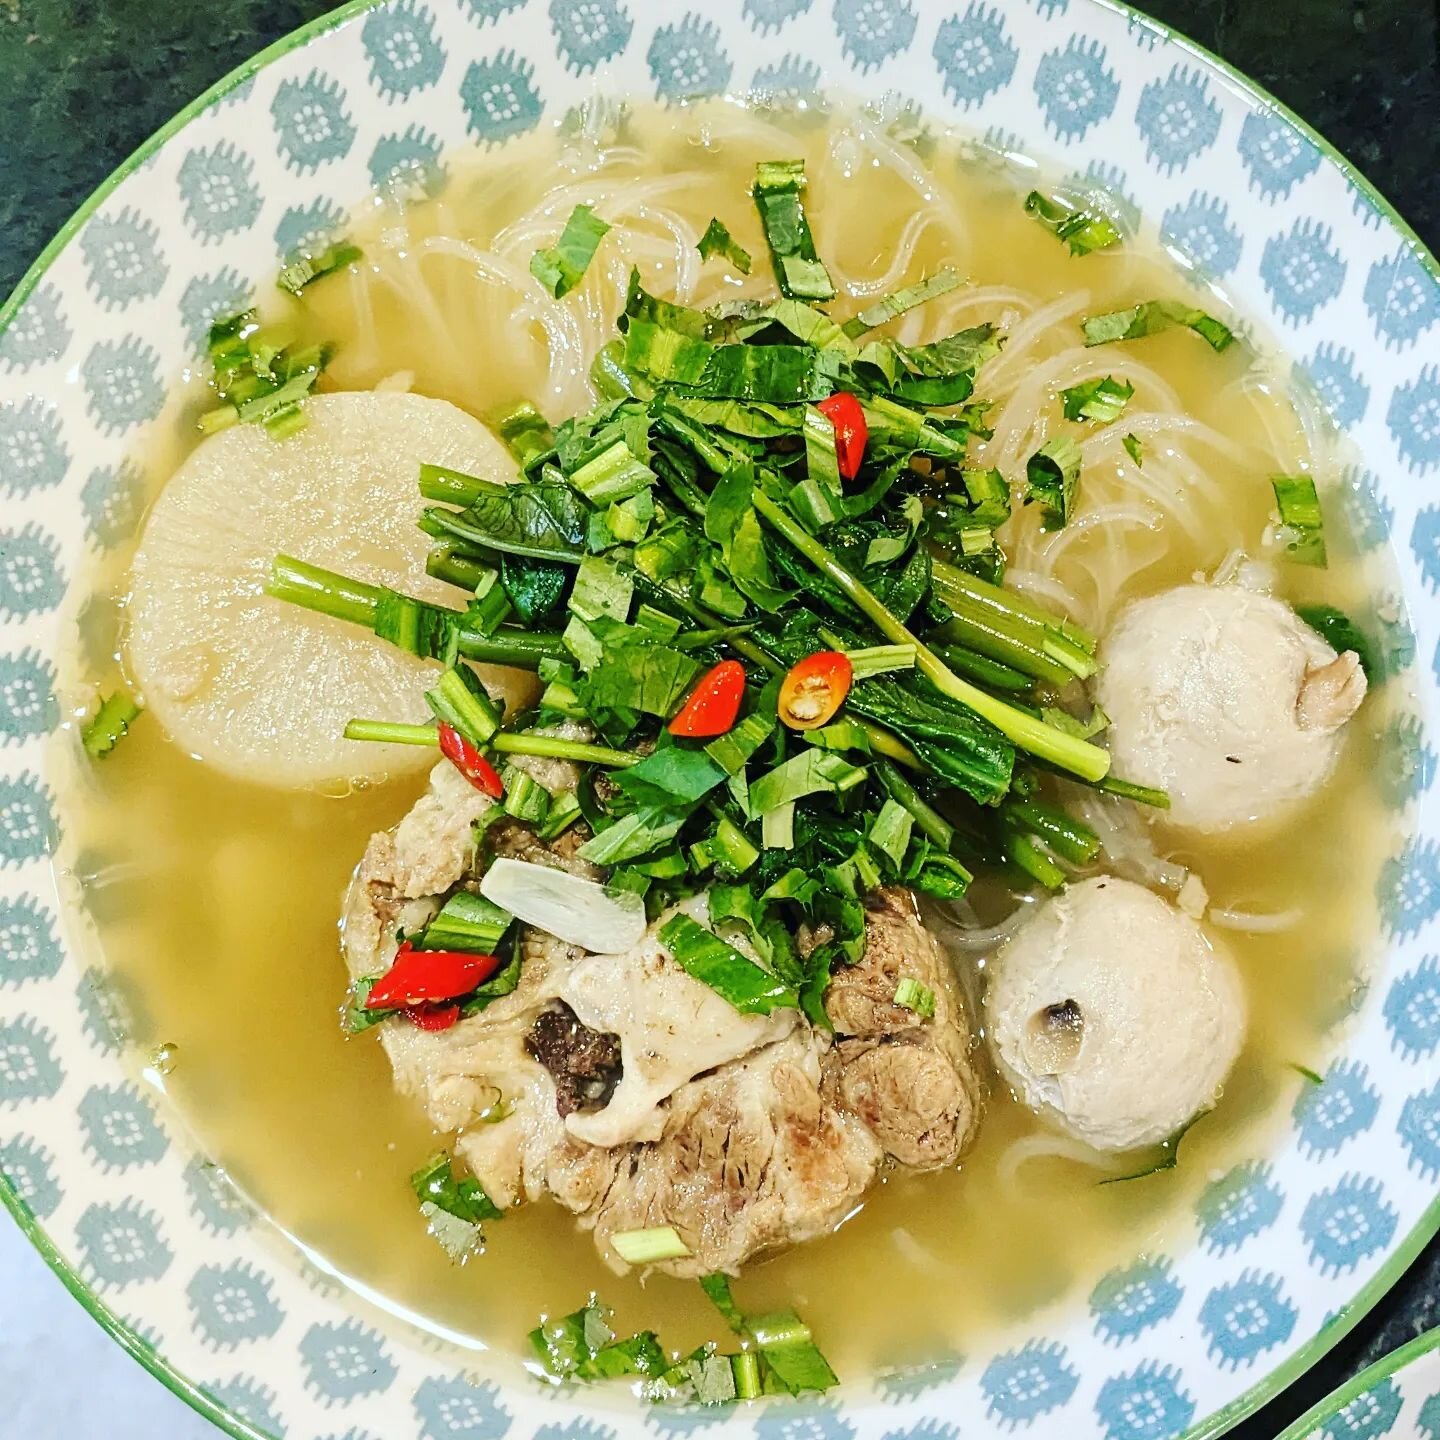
1150,318
1082,230
561,267
110,724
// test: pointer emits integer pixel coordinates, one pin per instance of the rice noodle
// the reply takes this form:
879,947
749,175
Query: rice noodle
1045,1146
966,934
1250,923
1129,849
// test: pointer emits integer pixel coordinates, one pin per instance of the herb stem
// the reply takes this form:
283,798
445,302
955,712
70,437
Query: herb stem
394,732
323,591
328,593
1030,734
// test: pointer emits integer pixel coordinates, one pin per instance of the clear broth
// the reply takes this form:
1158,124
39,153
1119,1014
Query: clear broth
215,903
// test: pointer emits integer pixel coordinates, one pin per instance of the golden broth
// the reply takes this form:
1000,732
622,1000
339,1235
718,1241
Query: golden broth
216,902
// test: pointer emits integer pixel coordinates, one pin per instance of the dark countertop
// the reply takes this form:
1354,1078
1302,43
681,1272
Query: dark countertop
83,82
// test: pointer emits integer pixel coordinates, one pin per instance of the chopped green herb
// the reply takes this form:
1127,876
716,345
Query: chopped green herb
1054,475
465,922
648,1247
891,307
454,1208
717,241
777,190
1082,230
1306,1073
1342,634
526,433
459,700
561,267
305,270
1302,525
109,725
1101,400
582,1346
1152,316
1134,449
910,994
1168,1160
724,969
257,378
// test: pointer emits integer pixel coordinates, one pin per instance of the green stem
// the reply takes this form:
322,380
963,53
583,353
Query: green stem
1012,603
1030,856
506,742
323,591
391,732
932,824
448,564
1030,734
511,743
329,593
1068,838
453,487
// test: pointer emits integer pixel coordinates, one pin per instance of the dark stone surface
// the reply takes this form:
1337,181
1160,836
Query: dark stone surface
83,82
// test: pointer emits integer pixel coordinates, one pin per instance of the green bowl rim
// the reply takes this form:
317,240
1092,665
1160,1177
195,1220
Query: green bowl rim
1367,1379
1294,1365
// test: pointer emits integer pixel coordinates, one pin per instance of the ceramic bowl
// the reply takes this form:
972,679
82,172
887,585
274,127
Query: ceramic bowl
1397,1398
1280,1255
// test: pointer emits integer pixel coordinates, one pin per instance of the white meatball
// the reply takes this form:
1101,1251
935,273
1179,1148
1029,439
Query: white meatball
261,689
1111,1015
1227,700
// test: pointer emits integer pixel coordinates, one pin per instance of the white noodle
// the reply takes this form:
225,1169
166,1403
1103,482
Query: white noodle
1250,923
1045,1146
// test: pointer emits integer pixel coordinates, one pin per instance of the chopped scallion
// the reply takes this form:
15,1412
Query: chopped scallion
648,1247
305,270
1302,525
1101,400
109,725
910,994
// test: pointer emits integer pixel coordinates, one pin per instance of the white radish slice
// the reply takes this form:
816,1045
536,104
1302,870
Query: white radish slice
261,689
578,911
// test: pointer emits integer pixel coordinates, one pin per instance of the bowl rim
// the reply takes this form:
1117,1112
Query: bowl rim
1277,1380
1367,1379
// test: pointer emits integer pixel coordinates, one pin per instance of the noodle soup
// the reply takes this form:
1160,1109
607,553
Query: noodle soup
221,933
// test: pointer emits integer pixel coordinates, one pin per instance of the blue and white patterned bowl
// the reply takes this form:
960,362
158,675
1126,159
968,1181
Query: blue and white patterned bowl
1283,1253
1397,1398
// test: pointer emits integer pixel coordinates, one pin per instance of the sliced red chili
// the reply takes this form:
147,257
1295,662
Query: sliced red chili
469,761
433,1017
845,413
714,703
421,977
814,688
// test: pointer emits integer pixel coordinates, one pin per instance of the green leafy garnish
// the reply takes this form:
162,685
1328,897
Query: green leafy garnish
1054,475
308,268
717,241
1150,318
800,271
582,1346
1302,525
1134,449
465,922
1101,400
891,307
1306,1073
454,1208
110,724
543,518
561,267
1342,634
733,976
258,378
1082,230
